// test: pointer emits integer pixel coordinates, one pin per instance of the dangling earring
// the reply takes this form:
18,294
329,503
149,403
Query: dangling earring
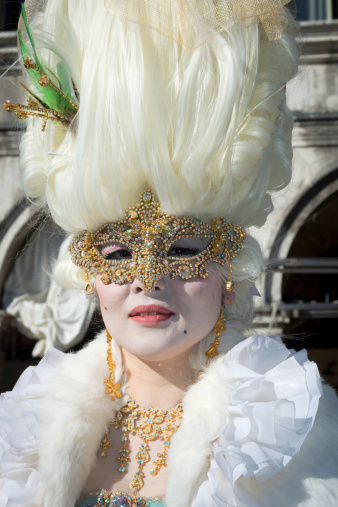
112,387
89,287
230,284
219,328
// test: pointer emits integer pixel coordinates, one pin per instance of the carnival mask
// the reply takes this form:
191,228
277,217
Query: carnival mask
147,246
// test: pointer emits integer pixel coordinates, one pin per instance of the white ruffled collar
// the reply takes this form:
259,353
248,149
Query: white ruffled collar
268,396
247,417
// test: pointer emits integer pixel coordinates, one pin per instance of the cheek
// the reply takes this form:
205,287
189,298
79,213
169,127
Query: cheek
110,296
205,288
203,297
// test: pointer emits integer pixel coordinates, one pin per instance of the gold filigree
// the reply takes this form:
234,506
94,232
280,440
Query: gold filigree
219,329
148,233
148,424
112,387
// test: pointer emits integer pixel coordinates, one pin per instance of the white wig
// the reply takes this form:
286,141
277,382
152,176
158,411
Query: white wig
208,132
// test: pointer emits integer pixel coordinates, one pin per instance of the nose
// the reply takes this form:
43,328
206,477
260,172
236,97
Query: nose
137,286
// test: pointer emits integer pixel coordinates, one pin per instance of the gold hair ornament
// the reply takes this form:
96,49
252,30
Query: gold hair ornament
53,97
148,233
191,23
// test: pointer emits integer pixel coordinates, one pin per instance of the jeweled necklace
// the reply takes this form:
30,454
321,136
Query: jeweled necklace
148,424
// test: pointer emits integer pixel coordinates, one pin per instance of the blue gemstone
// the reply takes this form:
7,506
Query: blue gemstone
119,501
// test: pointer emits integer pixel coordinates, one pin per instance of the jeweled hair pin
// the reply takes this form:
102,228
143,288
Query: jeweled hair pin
54,96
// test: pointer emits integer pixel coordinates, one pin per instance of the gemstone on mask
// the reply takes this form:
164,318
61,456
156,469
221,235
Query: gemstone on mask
168,230
185,271
147,196
132,213
128,234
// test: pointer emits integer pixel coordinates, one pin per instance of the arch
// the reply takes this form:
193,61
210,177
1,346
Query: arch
290,227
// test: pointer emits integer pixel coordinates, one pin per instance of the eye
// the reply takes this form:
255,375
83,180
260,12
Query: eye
114,251
180,251
188,247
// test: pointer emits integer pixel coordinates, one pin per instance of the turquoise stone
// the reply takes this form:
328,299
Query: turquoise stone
156,504
88,502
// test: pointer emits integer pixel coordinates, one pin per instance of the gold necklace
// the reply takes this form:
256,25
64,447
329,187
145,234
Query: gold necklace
148,424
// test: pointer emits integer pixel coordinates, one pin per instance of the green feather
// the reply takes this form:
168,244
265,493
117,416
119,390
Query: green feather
66,83
64,79
24,17
50,96
47,94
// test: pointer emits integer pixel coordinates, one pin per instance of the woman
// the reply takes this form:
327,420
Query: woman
169,135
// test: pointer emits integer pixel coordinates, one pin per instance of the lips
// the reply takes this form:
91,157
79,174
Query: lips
150,314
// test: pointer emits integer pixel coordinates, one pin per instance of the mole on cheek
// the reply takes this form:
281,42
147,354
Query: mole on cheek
105,308
185,331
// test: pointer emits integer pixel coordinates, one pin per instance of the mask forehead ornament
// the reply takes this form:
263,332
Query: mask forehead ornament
148,235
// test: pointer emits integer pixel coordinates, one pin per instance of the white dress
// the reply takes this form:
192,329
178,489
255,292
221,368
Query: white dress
256,430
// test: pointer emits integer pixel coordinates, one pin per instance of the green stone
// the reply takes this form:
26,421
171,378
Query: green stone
132,214
128,234
168,230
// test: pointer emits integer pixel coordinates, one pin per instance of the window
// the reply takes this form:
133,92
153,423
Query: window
314,10
9,14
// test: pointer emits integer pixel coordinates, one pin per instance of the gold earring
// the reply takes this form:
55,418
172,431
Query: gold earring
230,286
112,387
89,287
219,328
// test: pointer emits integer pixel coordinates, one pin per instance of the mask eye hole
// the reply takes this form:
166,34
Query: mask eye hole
188,247
114,251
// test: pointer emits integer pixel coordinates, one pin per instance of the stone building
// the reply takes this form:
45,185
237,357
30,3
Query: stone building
299,292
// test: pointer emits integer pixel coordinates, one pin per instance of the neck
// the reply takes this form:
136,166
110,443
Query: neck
159,384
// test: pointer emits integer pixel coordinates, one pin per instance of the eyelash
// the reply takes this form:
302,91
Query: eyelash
176,251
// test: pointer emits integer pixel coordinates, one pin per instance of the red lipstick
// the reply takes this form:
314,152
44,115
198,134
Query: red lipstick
150,314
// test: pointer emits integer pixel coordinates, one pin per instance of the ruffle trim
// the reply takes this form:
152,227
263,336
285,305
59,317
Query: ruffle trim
272,410
20,423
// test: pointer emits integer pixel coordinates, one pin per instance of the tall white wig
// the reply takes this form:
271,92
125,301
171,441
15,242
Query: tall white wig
208,131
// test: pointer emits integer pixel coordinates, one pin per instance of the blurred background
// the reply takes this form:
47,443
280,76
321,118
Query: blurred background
299,291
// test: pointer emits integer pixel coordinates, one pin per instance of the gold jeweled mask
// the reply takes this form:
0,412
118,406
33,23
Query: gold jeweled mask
149,244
